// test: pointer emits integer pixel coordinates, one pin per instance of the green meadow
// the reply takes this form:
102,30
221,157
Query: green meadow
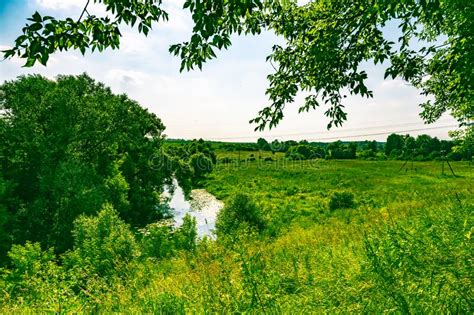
399,241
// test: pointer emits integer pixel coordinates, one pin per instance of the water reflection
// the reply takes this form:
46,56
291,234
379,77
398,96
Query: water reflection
202,205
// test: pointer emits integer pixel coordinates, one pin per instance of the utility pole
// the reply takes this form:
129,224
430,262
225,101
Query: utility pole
412,159
406,162
239,154
443,159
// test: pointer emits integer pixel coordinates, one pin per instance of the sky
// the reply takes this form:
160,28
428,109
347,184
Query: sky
217,102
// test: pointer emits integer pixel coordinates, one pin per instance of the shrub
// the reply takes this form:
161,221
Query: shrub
157,239
341,200
29,259
338,150
395,154
454,156
103,244
201,164
291,190
435,155
185,236
241,212
367,154
421,158
305,152
161,240
33,276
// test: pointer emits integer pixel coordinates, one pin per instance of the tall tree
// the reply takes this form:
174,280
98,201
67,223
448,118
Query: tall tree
394,142
69,146
263,144
326,44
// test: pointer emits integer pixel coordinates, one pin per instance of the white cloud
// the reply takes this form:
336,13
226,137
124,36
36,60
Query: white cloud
70,8
179,18
61,4
132,42
127,78
394,84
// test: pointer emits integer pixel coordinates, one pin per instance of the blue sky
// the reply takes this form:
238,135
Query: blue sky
217,102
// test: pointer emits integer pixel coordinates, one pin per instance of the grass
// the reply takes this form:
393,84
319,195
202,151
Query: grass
303,188
379,256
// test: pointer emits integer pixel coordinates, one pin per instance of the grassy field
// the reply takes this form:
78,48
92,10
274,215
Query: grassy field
302,188
403,246
327,247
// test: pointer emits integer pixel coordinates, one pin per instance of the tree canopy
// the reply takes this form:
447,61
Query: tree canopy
68,147
326,44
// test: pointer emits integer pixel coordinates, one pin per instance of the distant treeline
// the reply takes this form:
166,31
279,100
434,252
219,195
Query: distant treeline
397,147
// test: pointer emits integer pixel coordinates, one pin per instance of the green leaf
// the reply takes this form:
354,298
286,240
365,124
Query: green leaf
35,27
37,17
44,58
30,62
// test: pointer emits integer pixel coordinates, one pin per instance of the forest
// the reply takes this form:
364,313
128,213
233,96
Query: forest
101,211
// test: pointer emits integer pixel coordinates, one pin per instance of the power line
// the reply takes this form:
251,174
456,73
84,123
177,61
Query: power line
383,133
196,122
335,137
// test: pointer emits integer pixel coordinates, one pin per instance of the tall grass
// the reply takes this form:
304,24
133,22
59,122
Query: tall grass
405,247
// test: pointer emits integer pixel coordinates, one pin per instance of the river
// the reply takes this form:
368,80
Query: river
201,205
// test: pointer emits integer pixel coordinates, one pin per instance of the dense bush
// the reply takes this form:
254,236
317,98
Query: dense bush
305,152
454,156
186,235
103,244
367,154
201,165
106,257
341,200
201,146
239,213
338,150
162,240
435,155
157,239
34,278
395,154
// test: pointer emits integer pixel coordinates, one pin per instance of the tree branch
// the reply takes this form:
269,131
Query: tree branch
83,11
